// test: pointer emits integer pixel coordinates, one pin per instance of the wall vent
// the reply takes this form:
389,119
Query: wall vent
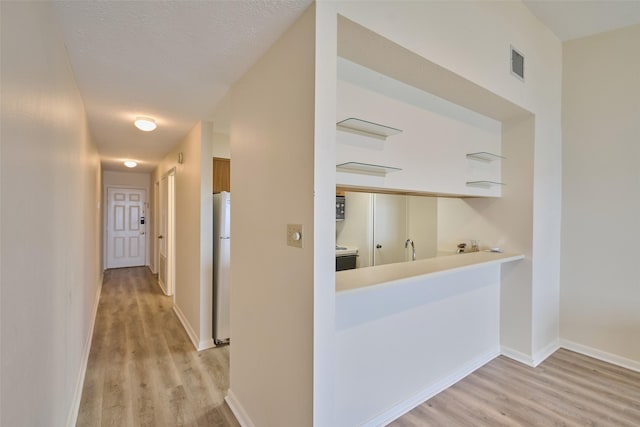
517,63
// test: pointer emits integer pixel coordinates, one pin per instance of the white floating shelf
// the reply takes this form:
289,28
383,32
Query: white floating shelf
366,168
484,184
484,156
364,127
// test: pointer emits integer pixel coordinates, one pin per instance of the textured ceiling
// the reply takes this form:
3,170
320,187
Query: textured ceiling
572,19
175,60
169,60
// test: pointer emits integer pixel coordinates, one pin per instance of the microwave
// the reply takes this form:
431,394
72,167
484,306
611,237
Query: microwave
340,205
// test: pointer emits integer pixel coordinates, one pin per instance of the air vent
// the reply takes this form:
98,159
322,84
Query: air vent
517,64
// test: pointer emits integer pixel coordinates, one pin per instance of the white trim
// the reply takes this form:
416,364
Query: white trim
161,286
205,344
171,233
405,406
105,214
105,231
422,396
238,410
187,327
614,359
197,343
517,356
542,355
72,418
156,209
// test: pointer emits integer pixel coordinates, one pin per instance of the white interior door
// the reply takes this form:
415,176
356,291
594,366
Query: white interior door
389,228
166,233
126,235
162,234
422,225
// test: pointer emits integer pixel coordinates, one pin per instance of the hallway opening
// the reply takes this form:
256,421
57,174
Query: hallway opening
143,369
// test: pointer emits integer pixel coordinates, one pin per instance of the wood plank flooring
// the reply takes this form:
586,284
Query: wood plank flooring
567,389
143,370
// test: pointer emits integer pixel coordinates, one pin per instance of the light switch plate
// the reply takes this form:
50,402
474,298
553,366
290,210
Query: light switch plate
294,235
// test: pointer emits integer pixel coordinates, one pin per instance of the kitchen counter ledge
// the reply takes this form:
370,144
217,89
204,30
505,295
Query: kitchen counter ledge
388,274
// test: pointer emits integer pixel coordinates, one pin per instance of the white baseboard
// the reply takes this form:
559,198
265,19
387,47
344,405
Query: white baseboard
405,406
525,359
205,344
614,359
238,410
187,327
195,340
162,287
542,355
72,418
517,356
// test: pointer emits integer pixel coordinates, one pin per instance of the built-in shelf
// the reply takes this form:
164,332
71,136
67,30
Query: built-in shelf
484,156
366,168
364,127
484,184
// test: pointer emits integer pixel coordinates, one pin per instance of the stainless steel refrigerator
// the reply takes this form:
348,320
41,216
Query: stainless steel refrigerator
221,267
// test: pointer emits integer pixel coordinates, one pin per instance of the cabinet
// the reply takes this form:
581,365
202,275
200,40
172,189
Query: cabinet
221,174
442,149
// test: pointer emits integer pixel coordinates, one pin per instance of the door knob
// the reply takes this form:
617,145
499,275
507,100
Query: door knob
142,232
160,236
378,246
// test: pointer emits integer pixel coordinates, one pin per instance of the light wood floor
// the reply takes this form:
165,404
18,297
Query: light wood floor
143,370
567,389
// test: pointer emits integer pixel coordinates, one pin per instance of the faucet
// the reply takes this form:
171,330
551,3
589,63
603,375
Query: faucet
413,248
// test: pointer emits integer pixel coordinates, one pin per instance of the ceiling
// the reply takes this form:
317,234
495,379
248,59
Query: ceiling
175,60
170,60
572,19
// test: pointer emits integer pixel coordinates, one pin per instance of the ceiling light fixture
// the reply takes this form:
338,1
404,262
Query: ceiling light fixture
130,164
146,124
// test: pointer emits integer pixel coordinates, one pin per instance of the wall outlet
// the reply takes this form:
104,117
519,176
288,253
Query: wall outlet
294,235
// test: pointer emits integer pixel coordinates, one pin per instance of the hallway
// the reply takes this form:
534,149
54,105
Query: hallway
143,370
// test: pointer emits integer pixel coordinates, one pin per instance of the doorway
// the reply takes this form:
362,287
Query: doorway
166,233
126,229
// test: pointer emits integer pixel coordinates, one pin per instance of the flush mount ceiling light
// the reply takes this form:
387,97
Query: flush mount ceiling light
146,124
130,164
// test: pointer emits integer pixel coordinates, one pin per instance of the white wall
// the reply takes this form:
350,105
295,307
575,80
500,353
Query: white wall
272,296
472,40
467,46
405,341
49,222
600,296
422,225
432,147
126,179
221,145
221,128
194,231
324,156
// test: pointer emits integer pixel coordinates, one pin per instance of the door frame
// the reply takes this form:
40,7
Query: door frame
155,268
105,220
170,286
